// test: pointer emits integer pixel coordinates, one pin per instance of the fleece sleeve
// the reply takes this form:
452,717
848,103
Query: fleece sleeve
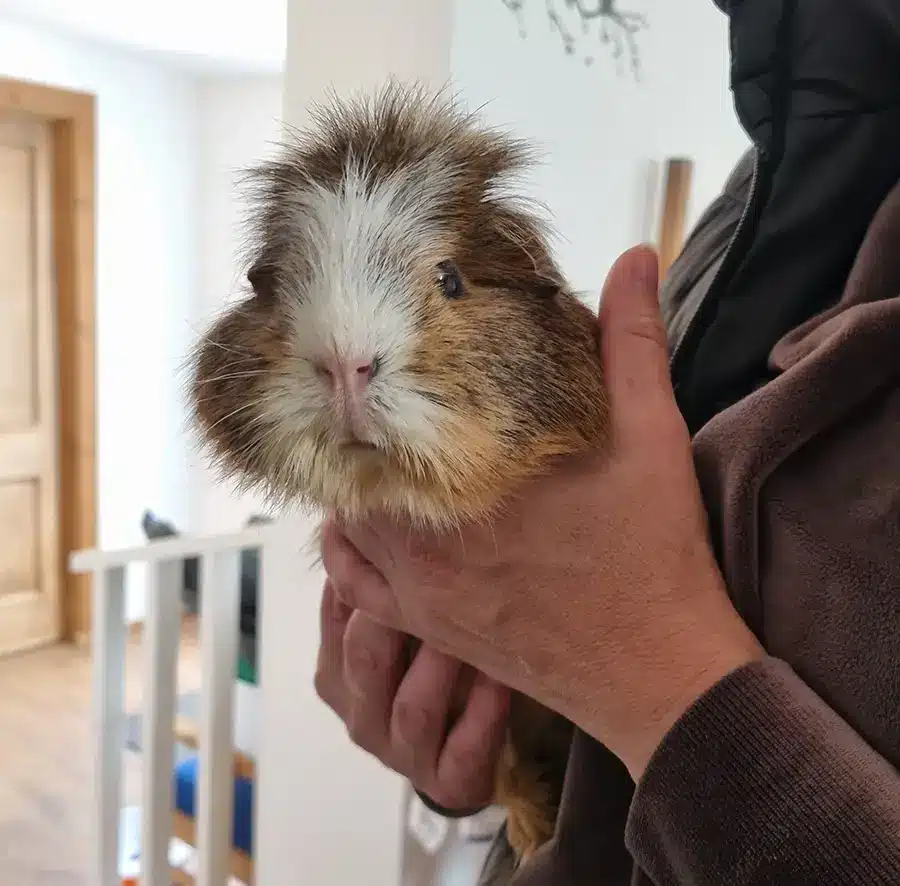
761,784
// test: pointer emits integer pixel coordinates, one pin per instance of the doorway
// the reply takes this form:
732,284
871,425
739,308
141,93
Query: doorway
47,425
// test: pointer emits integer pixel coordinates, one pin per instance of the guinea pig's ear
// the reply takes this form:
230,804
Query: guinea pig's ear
261,278
509,251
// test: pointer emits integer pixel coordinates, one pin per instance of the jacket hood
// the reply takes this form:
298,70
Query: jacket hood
816,86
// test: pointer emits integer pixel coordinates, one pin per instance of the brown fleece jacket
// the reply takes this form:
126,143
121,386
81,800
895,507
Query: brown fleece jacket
787,771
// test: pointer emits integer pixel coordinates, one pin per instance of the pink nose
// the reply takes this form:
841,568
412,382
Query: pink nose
350,376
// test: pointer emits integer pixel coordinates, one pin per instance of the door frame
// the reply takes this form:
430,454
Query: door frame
72,118
679,172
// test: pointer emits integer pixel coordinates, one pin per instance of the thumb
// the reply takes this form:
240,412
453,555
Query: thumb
633,337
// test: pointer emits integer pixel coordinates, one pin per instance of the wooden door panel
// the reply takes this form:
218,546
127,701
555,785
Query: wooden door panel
17,285
19,512
29,505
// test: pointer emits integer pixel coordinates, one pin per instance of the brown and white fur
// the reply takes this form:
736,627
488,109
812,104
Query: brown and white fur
409,346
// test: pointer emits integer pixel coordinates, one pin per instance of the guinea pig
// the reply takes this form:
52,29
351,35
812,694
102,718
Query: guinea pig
409,345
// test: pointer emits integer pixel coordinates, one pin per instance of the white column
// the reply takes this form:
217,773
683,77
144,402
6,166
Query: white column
327,813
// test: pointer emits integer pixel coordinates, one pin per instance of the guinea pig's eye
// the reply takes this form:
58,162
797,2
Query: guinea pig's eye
449,279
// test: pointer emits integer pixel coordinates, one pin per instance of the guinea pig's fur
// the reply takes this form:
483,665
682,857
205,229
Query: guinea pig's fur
386,234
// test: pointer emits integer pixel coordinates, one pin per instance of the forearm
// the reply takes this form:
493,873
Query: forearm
761,784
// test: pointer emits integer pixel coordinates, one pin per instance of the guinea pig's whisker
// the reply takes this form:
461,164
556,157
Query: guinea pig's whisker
217,344
214,398
232,414
252,373
251,454
244,357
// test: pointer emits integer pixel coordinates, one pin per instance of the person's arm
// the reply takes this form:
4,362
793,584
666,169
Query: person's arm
762,784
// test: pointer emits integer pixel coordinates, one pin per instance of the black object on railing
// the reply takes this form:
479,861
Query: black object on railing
156,529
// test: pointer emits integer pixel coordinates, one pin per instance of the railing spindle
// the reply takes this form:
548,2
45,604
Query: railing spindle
219,630
161,638
220,620
108,665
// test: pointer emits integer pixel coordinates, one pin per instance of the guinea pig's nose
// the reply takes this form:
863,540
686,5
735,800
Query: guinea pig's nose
349,375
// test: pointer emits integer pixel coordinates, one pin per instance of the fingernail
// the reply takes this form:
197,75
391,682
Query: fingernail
643,267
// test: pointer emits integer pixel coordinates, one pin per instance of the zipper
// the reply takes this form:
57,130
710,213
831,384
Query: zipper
779,111
693,320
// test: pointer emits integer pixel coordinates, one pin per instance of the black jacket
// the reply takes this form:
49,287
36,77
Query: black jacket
816,86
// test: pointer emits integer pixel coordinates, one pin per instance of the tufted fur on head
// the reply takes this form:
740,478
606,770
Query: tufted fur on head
387,232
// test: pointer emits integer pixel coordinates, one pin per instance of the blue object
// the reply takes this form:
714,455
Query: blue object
186,802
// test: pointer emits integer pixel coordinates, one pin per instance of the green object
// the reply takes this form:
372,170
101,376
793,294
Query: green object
246,671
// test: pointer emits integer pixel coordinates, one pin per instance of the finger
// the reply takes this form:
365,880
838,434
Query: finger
329,678
375,540
469,756
357,583
421,710
374,663
635,348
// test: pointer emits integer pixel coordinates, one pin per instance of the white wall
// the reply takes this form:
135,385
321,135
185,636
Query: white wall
200,34
239,122
601,133
147,274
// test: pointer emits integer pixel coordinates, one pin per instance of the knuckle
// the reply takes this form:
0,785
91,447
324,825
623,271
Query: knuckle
418,549
328,552
466,766
330,693
359,732
415,723
426,555
649,327
338,566
361,663
322,684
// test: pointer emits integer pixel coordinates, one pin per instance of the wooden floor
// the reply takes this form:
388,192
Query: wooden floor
46,771
45,760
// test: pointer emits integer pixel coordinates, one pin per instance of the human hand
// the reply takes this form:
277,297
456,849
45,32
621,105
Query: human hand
400,711
596,592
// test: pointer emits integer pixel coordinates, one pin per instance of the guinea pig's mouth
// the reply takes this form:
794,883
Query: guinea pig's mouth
358,446
351,440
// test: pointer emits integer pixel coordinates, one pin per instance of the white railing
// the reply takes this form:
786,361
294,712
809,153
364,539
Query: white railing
219,645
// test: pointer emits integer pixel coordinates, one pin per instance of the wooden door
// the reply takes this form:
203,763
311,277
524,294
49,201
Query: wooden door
29,499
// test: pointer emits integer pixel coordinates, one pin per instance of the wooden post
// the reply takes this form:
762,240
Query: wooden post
676,193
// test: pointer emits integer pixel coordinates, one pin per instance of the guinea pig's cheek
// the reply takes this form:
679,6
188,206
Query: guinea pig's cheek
409,415
294,401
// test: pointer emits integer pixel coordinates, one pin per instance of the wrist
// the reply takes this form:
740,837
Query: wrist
713,652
